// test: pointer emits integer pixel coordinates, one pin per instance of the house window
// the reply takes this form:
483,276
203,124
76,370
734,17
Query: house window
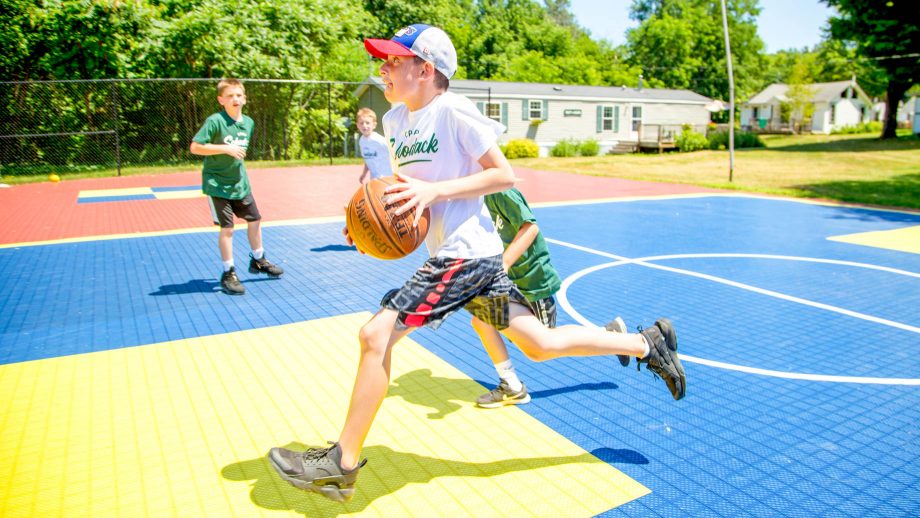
535,110
494,111
636,117
607,118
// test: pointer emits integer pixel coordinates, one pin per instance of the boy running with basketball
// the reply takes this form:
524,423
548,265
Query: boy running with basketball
449,159
223,140
373,146
526,260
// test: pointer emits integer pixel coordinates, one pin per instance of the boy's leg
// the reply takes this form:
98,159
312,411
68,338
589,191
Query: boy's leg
229,282
333,471
510,389
257,260
656,346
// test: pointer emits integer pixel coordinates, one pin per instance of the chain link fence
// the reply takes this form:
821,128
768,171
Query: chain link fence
73,126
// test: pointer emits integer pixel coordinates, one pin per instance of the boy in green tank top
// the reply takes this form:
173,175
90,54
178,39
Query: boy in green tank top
223,140
526,259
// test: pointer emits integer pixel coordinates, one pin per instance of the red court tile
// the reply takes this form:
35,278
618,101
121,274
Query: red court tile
47,211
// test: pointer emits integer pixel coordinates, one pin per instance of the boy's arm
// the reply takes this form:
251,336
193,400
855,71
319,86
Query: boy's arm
496,176
363,173
521,242
198,148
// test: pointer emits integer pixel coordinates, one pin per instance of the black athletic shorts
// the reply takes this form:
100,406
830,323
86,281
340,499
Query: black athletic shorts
223,210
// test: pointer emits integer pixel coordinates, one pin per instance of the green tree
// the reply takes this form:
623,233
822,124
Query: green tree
799,103
680,43
889,33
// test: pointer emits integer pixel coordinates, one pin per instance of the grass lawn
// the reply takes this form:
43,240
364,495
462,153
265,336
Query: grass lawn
848,168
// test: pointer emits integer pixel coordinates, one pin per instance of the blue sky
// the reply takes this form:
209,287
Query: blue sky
782,24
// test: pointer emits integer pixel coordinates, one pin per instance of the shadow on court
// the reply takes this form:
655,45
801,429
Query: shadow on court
447,395
199,286
386,472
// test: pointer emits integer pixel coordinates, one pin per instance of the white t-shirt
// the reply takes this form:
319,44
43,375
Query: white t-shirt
442,141
376,154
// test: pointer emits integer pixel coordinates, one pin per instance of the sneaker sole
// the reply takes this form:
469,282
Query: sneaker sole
499,404
228,292
670,336
256,270
618,326
330,491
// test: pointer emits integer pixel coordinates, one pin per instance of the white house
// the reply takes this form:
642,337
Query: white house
836,104
618,118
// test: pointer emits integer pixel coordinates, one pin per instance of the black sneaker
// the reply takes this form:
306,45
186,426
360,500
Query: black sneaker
231,283
618,326
318,470
662,356
264,266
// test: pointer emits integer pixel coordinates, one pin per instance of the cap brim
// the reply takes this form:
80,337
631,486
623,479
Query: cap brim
384,48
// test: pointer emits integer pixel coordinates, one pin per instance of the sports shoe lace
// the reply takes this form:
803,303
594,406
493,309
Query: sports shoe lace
639,361
317,453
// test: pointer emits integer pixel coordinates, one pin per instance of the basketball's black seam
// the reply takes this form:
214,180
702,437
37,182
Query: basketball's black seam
380,224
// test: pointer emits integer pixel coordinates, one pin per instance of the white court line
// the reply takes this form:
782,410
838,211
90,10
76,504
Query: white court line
620,260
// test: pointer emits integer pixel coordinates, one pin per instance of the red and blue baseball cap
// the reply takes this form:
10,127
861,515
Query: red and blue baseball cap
427,42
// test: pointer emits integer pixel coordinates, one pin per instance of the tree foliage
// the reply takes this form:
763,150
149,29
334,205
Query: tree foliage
887,32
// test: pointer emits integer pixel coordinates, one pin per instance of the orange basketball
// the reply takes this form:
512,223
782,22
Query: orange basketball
374,228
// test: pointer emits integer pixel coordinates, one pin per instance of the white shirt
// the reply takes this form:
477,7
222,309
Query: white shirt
442,141
376,154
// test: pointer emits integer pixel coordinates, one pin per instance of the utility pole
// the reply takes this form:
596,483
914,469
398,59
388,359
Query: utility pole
731,97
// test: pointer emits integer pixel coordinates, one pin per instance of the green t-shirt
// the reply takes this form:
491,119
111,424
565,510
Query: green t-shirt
222,175
533,273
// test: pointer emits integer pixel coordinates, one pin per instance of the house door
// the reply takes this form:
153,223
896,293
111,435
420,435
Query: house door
636,124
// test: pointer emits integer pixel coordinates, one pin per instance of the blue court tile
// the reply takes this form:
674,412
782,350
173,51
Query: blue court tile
125,197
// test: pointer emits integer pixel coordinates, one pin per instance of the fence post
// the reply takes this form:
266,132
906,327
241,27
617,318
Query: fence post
329,114
115,123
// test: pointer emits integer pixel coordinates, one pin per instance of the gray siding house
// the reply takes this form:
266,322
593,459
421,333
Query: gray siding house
618,118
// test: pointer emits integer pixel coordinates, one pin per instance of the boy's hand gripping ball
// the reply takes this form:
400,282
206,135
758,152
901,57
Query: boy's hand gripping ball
373,227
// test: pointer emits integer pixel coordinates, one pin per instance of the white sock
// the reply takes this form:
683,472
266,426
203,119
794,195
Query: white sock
506,372
228,265
258,253
646,344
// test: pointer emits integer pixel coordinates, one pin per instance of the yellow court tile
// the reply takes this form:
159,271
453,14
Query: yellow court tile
905,239
128,191
182,428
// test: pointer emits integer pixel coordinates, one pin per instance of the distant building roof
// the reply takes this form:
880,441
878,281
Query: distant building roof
506,90
823,92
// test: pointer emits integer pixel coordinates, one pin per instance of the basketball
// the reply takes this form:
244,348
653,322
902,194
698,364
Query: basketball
374,228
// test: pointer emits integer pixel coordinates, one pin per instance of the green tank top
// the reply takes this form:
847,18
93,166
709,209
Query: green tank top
222,175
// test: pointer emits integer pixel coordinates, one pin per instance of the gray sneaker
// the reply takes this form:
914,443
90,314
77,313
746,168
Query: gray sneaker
318,470
503,395
662,356
618,326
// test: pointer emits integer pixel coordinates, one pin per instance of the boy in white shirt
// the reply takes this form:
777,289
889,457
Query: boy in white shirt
373,146
448,158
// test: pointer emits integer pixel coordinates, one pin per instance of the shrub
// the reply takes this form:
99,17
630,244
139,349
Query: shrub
589,148
689,140
862,127
521,148
567,147
743,139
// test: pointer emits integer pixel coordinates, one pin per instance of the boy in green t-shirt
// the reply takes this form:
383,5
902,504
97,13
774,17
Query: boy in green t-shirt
223,140
526,259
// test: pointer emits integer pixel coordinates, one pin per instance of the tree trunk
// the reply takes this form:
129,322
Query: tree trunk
895,93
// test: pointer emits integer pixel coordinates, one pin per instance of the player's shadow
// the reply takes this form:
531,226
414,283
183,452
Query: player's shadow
446,395
198,286
419,387
386,472
334,248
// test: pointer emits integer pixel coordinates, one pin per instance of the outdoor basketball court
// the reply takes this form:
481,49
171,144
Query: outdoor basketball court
129,385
